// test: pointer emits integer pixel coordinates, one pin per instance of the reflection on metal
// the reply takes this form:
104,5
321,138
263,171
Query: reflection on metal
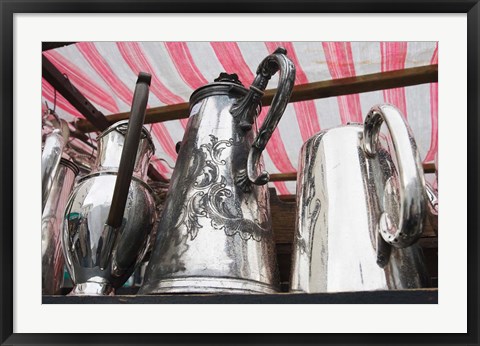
215,232
111,212
359,214
52,152
52,218
86,214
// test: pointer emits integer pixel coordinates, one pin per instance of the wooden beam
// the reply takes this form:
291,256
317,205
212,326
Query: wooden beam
54,45
427,168
63,85
96,119
310,91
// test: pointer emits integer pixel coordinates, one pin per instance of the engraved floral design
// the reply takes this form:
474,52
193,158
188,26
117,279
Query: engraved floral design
215,199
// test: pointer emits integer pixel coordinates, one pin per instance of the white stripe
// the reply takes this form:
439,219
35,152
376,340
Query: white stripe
312,60
328,113
370,99
76,58
205,59
119,66
419,53
290,134
165,69
367,57
418,110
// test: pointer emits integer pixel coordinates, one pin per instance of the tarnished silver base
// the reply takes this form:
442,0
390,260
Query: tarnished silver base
207,285
93,288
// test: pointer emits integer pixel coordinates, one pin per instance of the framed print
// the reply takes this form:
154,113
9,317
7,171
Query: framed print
241,173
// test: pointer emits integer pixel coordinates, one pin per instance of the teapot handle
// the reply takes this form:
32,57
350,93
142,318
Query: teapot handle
412,186
125,170
245,110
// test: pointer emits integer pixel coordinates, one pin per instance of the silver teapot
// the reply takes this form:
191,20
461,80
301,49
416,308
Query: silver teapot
110,214
215,232
359,214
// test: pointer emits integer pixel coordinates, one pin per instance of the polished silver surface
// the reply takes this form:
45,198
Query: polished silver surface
51,154
95,267
401,226
343,197
215,233
52,218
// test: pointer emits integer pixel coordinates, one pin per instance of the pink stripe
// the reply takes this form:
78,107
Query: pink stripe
96,60
160,166
433,113
306,111
84,83
49,94
186,67
161,133
335,52
230,56
282,188
394,55
134,56
276,148
99,64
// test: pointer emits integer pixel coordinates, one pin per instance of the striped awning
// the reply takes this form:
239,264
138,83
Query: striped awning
106,72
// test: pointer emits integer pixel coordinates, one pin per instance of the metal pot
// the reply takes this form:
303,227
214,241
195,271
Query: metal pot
215,233
110,214
360,214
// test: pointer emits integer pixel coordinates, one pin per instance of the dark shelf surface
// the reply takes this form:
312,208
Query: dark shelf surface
414,296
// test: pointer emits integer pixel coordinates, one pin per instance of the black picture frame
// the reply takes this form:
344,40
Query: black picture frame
7,176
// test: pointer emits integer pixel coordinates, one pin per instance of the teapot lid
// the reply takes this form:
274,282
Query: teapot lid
224,84
122,126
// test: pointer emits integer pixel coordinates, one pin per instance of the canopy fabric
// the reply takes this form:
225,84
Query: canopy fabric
106,72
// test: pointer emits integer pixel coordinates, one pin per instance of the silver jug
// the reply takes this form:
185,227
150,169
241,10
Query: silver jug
52,219
359,214
215,232
51,154
110,214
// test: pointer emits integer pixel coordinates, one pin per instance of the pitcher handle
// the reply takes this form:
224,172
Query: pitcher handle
245,110
126,167
412,185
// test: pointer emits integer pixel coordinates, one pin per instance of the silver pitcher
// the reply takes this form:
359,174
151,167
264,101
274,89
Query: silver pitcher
215,232
359,214
110,214
52,218
52,152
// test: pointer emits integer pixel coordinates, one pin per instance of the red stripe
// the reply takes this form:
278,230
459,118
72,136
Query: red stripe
394,55
306,111
49,94
134,56
230,56
84,83
186,67
433,113
160,166
100,65
340,63
282,188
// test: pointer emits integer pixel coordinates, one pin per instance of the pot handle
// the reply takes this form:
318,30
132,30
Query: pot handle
129,152
126,167
412,186
246,110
